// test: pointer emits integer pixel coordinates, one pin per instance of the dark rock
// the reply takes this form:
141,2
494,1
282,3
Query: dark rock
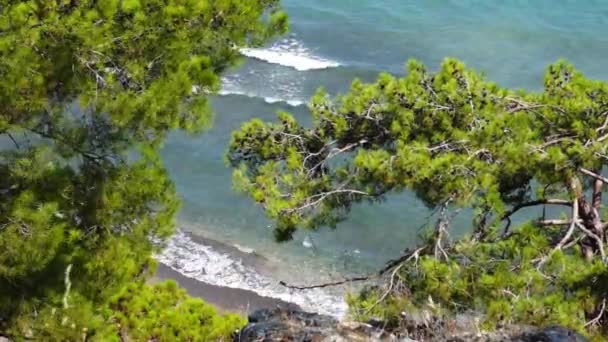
553,334
294,325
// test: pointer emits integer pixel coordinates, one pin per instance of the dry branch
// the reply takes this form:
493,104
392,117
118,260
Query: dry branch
391,265
593,174
599,316
336,283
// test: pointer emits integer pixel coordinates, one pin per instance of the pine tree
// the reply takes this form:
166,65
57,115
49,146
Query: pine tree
457,141
88,91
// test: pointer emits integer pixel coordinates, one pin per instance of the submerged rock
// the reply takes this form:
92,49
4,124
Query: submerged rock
298,326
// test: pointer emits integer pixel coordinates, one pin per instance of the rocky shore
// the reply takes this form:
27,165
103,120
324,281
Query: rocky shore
279,324
272,319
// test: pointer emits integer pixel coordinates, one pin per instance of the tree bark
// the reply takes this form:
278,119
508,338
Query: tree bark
589,214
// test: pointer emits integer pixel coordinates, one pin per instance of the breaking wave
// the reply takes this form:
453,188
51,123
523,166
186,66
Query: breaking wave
205,264
290,53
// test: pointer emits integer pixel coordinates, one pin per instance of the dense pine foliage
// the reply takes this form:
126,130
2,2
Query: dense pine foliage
88,91
165,312
457,141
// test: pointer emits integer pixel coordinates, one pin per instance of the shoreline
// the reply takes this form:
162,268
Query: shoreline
224,299
236,278
249,259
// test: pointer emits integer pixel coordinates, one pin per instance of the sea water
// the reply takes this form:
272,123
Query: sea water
332,42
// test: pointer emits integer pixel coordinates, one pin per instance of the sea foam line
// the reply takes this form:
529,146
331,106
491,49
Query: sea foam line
205,264
270,100
290,53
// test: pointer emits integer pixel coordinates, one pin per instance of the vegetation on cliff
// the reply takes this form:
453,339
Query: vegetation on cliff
88,92
458,141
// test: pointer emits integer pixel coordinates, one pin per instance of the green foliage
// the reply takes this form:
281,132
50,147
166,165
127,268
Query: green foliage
501,281
449,136
457,141
161,312
165,312
52,321
88,91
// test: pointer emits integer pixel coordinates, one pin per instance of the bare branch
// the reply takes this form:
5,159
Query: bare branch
600,243
568,235
68,286
593,174
319,152
13,139
336,283
333,153
388,290
322,196
441,230
597,318
405,258
295,136
552,201
554,222
508,214
597,196
556,141
605,125
602,138
521,106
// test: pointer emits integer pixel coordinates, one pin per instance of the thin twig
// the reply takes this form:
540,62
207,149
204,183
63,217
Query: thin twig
13,139
592,235
336,283
553,222
553,201
387,292
567,237
599,316
322,196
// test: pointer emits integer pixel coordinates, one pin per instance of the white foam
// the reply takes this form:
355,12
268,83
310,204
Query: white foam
290,53
267,99
201,262
244,249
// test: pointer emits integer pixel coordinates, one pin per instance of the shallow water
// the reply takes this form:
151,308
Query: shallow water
331,43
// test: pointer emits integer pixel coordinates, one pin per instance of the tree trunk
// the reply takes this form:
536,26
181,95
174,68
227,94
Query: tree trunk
589,216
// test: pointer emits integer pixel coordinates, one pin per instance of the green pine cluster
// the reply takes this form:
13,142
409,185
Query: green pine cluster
457,141
500,283
89,89
166,313
161,312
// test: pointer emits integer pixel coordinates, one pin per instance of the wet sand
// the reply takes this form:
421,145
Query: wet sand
224,298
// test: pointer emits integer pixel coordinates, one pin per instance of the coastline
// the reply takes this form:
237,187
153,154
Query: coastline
225,299
238,279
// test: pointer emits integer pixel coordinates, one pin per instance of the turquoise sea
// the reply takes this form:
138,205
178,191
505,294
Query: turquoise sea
332,42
